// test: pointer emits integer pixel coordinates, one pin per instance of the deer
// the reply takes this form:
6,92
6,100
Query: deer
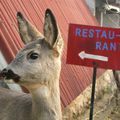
37,67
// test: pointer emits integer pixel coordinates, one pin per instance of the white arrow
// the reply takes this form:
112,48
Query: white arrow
84,55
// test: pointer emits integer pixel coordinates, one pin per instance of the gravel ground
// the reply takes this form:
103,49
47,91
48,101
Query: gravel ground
106,108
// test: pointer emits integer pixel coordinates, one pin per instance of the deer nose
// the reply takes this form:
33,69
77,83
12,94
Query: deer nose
9,74
4,72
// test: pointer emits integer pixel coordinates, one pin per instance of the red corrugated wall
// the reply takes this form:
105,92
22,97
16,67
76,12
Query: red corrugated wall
74,79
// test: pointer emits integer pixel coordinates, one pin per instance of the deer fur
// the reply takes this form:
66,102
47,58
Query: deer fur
37,67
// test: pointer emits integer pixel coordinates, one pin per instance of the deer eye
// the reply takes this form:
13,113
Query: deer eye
32,55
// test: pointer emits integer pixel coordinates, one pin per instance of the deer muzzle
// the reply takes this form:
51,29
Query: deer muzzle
9,74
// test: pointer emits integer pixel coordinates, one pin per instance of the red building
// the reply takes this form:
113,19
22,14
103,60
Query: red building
74,79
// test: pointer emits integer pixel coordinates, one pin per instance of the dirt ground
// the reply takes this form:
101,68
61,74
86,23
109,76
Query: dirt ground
106,108
107,101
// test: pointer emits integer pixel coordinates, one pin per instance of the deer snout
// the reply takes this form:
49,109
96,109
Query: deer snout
4,72
9,74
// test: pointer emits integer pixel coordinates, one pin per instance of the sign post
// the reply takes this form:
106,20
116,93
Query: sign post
93,46
93,91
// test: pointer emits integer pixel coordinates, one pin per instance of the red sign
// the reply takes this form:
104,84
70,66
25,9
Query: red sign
92,44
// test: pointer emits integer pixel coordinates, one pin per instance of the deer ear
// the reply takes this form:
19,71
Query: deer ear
27,31
50,28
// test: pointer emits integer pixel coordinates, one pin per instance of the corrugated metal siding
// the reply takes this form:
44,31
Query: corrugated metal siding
74,79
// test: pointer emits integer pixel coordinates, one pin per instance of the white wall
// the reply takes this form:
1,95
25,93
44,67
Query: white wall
3,62
91,5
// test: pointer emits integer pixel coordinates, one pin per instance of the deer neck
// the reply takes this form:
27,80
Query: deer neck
46,102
